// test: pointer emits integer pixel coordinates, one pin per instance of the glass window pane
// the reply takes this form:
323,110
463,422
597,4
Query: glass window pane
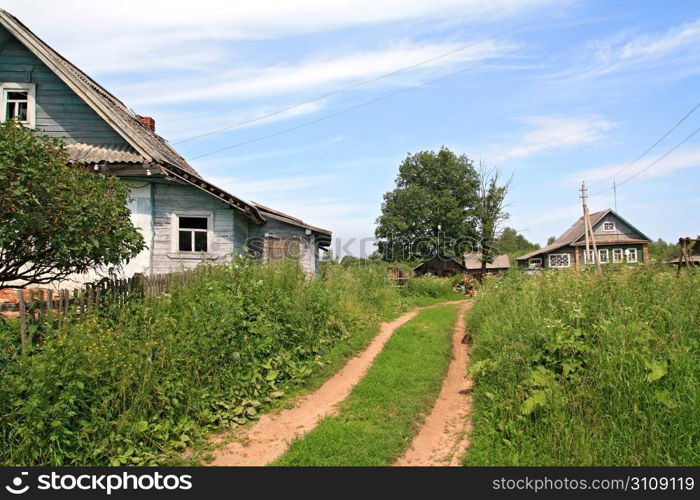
17,95
200,241
10,110
22,114
193,223
185,241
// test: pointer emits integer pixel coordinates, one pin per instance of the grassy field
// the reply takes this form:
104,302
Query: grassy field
138,384
384,411
585,369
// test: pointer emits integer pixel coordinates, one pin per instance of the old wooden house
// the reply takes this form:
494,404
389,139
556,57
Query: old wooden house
184,218
473,264
469,264
617,241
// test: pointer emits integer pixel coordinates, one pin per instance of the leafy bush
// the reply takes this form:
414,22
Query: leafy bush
139,384
585,369
429,286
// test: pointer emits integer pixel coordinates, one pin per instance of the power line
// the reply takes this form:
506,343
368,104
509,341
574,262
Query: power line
618,172
408,89
636,174
380,77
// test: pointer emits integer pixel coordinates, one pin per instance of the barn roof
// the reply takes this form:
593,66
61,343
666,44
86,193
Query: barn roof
472,261
146,145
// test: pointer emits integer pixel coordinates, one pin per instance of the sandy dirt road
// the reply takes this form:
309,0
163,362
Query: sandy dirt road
271,435
444,437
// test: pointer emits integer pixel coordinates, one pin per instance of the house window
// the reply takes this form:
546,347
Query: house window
603,255
193,234
608,226
631,254
18,102
559,260
590,256
617,255
278,249
535,262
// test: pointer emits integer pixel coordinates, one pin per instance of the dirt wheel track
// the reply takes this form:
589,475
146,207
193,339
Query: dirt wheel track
444,437
269,437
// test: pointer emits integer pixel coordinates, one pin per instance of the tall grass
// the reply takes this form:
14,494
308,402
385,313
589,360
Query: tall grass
141,383
586,369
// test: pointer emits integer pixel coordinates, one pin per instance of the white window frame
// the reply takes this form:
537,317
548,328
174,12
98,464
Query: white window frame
535,262
589,256
30,89
629,251
175,230
622,255
601,252
612,229
568,260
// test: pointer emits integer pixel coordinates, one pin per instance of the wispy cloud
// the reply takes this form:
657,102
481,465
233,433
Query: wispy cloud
315,73
552,133
158,34
682,159
674,49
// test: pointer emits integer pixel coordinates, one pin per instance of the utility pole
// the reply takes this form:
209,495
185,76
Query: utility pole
588,228
615,193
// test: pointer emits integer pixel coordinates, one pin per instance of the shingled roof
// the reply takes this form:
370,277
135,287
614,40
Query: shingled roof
569,236
148,147
271,213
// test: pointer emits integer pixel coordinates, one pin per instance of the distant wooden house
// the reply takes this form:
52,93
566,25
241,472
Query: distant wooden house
185,219
618,242
473,264
439,266
469,264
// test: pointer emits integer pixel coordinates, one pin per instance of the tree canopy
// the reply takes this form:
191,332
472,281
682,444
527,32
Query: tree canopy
513,243
56,219
431,209
661,251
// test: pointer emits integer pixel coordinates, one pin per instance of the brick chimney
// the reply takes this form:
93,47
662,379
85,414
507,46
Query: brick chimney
148,121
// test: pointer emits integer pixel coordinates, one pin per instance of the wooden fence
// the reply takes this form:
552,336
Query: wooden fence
40,307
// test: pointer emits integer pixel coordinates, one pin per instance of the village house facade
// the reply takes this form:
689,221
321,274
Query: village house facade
617,241
184,218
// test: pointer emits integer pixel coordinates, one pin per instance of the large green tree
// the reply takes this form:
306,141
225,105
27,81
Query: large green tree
489,211
56,219
430,211
511,242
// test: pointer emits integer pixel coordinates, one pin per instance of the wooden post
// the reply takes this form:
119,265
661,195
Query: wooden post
22,320
588,229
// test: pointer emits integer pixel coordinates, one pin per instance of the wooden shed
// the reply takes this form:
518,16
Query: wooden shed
439,266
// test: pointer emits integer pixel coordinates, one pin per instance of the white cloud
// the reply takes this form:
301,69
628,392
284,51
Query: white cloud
664,55
682,159
656,45
318,73
552,133
116,36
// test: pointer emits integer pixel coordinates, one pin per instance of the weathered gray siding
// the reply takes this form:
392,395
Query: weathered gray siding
279,229
172,199
59,111
621,228
240,231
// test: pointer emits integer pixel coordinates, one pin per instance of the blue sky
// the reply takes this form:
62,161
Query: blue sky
552,103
